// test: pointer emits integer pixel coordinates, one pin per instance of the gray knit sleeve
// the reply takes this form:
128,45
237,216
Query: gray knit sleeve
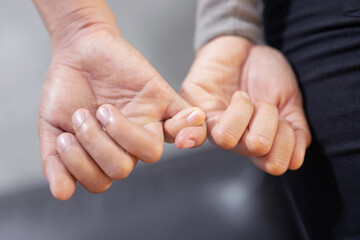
227,17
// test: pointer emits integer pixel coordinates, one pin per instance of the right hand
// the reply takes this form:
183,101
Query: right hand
98,74
252,102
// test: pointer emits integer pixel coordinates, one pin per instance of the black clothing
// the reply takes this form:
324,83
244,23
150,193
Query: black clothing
321,39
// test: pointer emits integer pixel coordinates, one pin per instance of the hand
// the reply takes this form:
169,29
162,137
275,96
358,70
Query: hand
252,101
98,74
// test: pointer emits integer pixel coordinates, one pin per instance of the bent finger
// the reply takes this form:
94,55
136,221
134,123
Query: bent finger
191,137
110,157
303,137
258,139
228,127
81,165
144,142
188,117
302,143
277,161
62,183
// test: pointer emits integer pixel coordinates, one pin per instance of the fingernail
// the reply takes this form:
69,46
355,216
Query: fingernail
195,118
63,141
78,118
103,115
245,95
189,144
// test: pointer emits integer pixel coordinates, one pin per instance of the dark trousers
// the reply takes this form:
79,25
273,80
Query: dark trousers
321,39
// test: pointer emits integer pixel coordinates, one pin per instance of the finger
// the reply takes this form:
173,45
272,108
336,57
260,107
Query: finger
277,161
176,105
191,137
81,165
303,140
259,137
301,145
146,143
189,117
295,116
227,128
115,162
62,183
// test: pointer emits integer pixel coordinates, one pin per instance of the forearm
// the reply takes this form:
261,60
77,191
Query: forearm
67,19
227,17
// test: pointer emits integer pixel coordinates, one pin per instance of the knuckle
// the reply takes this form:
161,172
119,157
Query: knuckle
155,154
258,145
225,139
120,172
277,168
100,188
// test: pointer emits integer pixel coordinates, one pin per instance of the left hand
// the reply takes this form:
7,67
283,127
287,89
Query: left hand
101,75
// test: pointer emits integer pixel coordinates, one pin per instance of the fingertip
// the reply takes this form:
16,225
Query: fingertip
103,114
155,154
62,184
302,142
189,117
196,117
79,117
190,137
64,141
277,170
186,144
298,157
62,188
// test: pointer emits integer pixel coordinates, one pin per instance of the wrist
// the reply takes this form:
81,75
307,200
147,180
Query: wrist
226,46
68,20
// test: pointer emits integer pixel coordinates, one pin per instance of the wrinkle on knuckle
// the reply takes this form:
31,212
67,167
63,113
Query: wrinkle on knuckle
247,107
277,167
259,145
119,172
100,188
225,138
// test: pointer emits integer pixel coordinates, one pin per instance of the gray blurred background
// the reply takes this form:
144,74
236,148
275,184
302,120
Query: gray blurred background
162,30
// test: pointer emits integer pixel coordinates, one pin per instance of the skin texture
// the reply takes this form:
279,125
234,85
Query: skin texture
252,102
103,106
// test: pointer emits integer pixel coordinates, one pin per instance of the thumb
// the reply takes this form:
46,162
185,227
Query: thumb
294,114
62,183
